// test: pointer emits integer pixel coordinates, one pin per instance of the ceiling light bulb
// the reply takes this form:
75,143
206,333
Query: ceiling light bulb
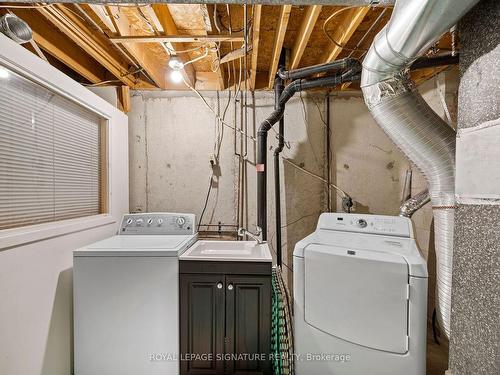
4,73
175,63
176,76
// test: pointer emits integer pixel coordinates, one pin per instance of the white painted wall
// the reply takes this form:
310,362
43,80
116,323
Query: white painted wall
36,262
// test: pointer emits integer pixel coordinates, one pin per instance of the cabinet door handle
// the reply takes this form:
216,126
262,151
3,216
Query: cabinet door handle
219,285
230,287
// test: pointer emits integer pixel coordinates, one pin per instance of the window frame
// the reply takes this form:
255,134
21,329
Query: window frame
42,73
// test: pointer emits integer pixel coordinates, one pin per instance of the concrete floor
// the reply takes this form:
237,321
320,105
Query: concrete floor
437,355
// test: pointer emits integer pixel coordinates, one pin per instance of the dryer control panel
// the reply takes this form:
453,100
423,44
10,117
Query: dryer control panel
161,223
370,224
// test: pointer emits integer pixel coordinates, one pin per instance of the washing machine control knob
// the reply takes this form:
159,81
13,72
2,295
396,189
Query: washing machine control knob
361,223
150,221
181,221
130,221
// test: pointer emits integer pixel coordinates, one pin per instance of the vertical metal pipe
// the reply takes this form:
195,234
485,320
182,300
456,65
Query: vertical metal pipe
328,155
273,118
278,89
262,182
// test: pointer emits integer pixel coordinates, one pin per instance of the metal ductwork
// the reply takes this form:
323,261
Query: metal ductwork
15,28
408,120
412,205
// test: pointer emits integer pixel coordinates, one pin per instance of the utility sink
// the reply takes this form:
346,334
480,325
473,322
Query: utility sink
241,251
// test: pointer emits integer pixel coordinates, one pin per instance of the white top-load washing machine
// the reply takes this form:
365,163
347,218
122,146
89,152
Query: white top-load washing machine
360,298
126,297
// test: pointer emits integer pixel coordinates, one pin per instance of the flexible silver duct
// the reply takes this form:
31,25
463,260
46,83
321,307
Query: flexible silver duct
413,204
15,28
408,120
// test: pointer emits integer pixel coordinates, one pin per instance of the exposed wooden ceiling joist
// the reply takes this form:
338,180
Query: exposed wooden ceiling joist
179,38
163,15
152,18
61,47
192,20
103,15
278,42
349,21
304,34
88,39
154,62
123,98
124,39
257,14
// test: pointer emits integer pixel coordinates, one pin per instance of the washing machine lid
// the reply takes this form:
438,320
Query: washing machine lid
360,296
139,245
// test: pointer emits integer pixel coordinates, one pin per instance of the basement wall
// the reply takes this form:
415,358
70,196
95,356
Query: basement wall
172,137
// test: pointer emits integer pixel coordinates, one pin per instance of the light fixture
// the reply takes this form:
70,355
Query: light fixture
176,76
4,73
175,63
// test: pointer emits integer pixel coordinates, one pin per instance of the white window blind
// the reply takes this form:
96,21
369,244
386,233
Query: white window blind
50,167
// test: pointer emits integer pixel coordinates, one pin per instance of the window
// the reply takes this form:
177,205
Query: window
52,154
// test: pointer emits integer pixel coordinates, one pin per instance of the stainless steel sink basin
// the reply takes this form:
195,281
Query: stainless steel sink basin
243,251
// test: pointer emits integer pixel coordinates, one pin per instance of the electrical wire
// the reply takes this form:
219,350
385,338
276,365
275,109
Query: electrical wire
329,19
218,21
215,18
206,202
306,123
175,51
373,25
282,262
340,192
215,113
141,13
283,245
114,80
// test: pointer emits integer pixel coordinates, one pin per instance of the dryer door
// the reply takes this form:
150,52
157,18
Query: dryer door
357,295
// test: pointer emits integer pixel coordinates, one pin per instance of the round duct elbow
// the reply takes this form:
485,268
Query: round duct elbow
15,28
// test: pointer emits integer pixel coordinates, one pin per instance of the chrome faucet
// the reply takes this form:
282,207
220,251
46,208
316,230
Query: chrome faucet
242,232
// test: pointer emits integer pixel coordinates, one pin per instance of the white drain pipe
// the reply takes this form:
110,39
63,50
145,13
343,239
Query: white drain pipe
408,120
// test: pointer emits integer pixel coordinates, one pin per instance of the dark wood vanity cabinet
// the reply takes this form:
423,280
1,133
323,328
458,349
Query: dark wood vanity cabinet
225,318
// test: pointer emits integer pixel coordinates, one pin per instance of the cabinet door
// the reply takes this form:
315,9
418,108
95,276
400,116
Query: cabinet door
202,323
248,324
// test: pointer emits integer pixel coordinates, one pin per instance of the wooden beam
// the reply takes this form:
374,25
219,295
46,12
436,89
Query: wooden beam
257,14
61,47
178,38
154,62
235,54
190,19
207,81
348,25
165,18
150,14
278,42
102,14
89,40
304,34
123,98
